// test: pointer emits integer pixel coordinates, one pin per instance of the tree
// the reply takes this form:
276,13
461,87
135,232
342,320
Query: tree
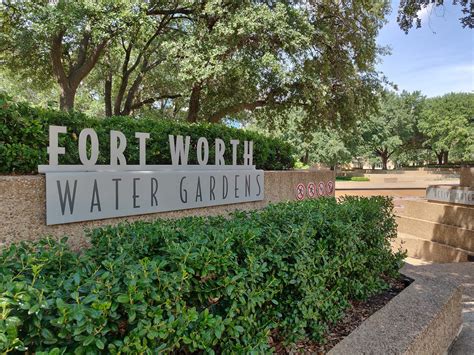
318,57
206,60
447,122
64,40
393,128
328,146
409,10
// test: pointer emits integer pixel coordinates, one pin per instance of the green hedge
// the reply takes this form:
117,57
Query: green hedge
214,284
24,139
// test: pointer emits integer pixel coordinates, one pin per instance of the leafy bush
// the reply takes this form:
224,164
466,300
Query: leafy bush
214,284
300,165
24,139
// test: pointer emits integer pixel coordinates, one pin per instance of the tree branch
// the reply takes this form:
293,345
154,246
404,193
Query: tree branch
250,106
56,51
217,116
180,11
153,99
81,72
81,57
124,80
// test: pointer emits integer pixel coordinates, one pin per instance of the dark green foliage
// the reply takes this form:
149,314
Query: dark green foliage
24,139
213,284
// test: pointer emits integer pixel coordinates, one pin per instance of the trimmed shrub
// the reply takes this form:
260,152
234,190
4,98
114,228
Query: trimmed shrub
24,139
211,284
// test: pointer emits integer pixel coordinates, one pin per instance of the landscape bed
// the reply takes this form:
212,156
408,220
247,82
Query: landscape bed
200,283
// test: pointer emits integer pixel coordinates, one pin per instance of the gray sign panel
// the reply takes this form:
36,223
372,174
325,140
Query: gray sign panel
459,195
82,196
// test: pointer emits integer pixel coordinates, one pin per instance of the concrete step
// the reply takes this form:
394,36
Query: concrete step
453,215
437,232
430,251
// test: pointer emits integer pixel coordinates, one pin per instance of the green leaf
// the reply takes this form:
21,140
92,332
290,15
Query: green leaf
100,344
123,298
88,340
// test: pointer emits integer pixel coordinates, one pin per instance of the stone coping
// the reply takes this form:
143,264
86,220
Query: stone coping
424,318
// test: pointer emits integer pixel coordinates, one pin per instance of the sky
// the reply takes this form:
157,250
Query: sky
436,59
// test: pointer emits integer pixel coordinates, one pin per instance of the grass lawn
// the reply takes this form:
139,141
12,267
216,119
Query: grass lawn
352,178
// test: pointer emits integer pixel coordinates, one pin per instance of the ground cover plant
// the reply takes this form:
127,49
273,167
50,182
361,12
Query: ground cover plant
24,138
217,284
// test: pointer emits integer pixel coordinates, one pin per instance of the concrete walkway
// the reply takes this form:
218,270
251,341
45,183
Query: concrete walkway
464,273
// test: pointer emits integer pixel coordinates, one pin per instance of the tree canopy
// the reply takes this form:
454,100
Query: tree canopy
393,127
200,60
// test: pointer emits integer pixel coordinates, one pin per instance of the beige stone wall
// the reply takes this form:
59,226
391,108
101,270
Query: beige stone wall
23,215
467,177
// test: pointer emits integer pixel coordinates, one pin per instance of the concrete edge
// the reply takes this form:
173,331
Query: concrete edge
425,318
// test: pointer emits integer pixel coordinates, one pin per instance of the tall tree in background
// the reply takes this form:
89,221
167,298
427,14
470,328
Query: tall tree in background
393,128
324,145
447,124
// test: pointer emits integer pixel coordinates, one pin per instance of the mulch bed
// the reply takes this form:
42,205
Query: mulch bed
354,316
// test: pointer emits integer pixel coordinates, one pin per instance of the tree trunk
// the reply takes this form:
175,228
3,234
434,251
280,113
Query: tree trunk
439,156
108,95
445,157
384,157
132,92
68,95
69,82
305,158
194,100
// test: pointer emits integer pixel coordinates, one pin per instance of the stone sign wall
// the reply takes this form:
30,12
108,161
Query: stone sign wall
23,205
